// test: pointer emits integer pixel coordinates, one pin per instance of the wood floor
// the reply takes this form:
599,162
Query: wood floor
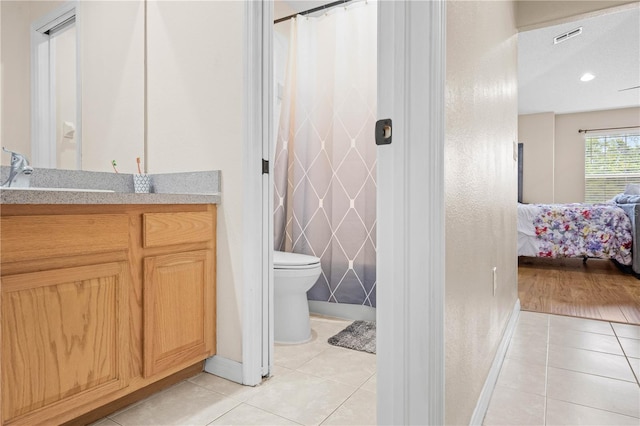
596,290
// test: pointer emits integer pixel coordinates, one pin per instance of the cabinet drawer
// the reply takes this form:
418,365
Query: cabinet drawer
41,237
164,229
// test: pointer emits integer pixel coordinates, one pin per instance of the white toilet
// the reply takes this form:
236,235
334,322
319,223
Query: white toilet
294,274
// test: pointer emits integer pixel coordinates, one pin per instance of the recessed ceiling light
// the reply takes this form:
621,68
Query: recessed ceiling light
587,77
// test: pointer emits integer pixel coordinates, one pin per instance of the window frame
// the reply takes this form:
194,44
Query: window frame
613,182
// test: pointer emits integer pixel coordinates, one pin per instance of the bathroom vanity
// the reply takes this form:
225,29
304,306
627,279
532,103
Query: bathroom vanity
100,302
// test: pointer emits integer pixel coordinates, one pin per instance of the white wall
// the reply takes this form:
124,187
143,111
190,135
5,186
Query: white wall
554,151
536,132
16,78
112,68
536,13
66,99
569,164
480,194
195,88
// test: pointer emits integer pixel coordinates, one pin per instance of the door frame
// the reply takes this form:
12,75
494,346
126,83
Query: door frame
257,299
410,260
410,313
43,86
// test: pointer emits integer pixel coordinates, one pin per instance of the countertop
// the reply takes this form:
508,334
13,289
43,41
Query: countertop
33,196
200,187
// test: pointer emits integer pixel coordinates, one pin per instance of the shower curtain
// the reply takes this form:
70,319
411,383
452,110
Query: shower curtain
325,156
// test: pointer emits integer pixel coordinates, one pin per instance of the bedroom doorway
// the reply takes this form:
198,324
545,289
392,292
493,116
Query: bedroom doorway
562,112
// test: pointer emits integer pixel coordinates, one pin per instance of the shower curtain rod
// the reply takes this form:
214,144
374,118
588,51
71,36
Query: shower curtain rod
315,9
607,128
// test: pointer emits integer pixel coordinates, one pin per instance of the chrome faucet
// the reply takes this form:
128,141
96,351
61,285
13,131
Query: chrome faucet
20,171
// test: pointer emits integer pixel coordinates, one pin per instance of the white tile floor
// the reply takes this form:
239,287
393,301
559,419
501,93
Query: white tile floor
558,371
568,371
314,383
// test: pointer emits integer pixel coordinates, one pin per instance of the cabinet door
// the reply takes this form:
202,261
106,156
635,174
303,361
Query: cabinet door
178,310
64,339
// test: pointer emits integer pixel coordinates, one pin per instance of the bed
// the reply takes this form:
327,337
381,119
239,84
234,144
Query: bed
630,203
600,231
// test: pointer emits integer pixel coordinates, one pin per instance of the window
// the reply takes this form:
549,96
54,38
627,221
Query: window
610,163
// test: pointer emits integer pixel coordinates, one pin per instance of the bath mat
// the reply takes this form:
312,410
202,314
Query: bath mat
361,336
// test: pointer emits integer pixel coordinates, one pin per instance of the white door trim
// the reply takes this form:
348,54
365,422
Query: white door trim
43,94
256,236
268,153
410,261
42,133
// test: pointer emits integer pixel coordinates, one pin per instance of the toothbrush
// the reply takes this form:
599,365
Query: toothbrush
138,161
113,164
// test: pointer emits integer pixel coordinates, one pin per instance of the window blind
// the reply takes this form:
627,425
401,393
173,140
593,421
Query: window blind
611,162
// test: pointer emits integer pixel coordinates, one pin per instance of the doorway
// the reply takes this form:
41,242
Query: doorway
410,329
324,156
56,89
561,115
324,168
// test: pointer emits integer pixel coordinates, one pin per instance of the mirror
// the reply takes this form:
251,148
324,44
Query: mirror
98,110
54,89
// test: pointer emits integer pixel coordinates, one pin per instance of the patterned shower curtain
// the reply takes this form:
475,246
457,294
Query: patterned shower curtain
325,156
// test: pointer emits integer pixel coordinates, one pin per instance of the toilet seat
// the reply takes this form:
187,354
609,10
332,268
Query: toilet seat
285,260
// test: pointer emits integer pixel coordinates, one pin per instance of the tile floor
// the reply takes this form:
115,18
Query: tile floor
558,371
314,383
568,371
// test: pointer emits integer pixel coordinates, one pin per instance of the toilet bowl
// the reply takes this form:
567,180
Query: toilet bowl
294,274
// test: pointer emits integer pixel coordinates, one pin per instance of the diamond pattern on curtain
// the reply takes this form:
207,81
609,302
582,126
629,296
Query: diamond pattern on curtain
325,156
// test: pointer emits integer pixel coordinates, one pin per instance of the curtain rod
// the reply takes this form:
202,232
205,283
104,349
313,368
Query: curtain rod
607,128
315,9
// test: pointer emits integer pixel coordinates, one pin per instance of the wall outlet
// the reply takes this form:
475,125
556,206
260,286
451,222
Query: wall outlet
495,279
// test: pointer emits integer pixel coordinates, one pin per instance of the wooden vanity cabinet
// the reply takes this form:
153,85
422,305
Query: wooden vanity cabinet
100,301
65,337
178,302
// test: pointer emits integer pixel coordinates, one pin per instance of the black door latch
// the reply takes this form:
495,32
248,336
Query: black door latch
383,131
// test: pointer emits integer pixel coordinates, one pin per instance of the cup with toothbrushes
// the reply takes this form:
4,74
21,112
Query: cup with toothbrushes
141,181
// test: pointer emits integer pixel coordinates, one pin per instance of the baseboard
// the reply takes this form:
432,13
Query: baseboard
490,383
343,310
225,368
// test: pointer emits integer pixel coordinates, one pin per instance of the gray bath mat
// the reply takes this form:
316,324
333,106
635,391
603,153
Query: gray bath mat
361,336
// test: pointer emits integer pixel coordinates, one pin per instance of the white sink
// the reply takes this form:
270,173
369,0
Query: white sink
56,189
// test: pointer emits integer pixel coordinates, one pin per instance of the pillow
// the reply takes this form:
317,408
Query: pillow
626,199
632,189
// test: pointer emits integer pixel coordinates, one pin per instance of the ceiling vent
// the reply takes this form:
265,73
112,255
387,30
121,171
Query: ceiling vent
567,35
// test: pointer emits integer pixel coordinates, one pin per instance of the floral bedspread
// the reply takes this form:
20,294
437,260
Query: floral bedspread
576,230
